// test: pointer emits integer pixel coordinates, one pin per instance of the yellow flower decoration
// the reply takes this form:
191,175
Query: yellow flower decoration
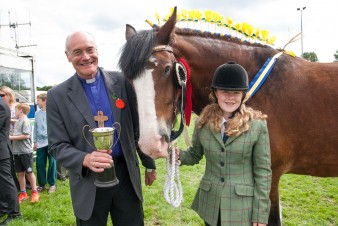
208,16
238,26
179,17
198,15
258,33
250,30
271,40
157,15
290,53
244,28
191,15
229,21
265,35
218,18
184,15
166,18
212,17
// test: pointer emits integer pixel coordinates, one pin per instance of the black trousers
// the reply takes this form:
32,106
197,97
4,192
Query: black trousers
9,203
15,178
120,201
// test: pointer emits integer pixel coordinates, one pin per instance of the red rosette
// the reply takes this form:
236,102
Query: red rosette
119,103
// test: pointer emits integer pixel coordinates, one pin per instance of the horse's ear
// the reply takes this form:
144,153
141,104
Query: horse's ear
163,35
130,31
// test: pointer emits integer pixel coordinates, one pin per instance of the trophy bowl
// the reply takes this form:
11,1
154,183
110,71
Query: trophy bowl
104,140
103,137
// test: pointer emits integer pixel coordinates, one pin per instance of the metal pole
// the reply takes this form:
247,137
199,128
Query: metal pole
301,28
301,25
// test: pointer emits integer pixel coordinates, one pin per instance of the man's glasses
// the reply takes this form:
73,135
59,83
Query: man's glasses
2,95
79,52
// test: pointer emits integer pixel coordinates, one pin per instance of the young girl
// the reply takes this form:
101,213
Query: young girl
235,187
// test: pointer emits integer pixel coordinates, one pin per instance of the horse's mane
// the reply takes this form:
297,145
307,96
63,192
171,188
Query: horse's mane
138,49
208,34
136,53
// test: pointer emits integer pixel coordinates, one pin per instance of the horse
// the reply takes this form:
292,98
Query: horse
299,97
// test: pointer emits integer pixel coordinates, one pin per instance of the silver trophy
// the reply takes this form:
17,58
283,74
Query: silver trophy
104,140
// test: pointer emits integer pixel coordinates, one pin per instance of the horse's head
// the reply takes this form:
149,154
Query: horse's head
148,61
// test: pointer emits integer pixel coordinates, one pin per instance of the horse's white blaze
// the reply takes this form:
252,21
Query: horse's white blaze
150,142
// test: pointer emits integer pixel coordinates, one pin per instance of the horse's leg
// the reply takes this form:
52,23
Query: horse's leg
275,213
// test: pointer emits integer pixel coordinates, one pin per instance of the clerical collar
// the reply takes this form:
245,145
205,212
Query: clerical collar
91,80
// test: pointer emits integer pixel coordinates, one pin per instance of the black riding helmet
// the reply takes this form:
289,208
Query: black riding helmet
230,76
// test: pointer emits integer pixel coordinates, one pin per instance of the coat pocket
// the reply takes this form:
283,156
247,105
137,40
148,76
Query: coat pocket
204,199
205,185
244,190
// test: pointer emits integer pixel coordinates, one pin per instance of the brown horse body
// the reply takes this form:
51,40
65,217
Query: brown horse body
299,97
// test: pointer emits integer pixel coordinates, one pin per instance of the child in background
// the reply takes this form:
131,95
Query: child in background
23,152
41,148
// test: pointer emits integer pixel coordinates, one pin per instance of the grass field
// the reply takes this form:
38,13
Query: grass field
305,200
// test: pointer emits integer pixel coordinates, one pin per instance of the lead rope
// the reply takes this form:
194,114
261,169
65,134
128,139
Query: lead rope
173,193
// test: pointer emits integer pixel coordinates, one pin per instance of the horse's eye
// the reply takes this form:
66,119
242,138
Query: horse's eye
167,71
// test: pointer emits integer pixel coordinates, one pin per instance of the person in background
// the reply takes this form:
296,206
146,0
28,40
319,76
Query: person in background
61,172
23,152
77,102
9,204
8,97
234,139
41,148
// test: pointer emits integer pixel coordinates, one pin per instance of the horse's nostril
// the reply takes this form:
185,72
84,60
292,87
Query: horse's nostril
166,138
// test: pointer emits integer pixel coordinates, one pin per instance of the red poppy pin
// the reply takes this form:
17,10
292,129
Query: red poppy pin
118,102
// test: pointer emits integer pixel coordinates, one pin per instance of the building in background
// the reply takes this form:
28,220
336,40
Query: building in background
17,72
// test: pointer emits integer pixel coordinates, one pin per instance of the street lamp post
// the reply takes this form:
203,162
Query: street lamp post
301,24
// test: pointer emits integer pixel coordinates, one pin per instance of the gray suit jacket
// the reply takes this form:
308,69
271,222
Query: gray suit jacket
68,111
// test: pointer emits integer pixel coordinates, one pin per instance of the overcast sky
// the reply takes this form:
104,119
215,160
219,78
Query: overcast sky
52,21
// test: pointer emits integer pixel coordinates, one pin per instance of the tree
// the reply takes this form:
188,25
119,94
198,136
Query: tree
336,56
310,56
44,88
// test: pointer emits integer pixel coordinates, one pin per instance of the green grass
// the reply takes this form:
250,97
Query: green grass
305,201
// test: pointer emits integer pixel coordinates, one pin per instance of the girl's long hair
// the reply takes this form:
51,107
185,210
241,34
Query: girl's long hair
212,116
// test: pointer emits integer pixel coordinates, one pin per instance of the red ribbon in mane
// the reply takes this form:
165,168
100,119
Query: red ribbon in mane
188,100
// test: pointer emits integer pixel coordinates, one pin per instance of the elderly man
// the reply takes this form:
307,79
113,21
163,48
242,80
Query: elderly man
77,102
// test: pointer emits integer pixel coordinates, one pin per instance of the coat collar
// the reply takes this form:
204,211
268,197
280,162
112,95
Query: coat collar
113,89
218,137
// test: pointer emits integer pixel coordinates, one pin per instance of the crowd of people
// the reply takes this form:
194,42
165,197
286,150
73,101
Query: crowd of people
232,137
18,148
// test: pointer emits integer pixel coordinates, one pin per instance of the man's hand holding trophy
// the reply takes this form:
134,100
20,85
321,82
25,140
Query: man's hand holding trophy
100,160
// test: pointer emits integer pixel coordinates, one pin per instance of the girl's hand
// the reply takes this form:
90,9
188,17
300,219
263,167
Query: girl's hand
177,155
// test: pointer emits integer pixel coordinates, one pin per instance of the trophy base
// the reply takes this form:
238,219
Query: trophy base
107,178
106,184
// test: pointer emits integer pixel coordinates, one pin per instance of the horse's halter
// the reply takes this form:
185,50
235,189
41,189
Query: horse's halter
180,81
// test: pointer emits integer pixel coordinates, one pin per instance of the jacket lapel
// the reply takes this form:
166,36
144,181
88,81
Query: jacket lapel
231,139
79,99
218,137
113,89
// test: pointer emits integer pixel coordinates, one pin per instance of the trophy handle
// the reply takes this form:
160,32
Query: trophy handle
118,137
86,138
